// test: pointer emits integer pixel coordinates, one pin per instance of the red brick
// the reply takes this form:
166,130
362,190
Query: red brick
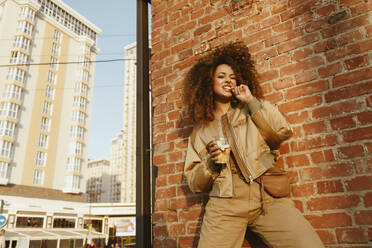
274,97
300,21
368,199
348,92
298,67
325,45
351,37
298,117
359,183
177,229
369,101
330,70
202,29
322,156
184,202
161,181
161,204
326,10
284,37
347,3
165,169
357,62
334,186
283,27
193,228
336,109
363,166
278,6
160,230
165,192
159,159
293,44
190,214
307,89
175,179
327,237
299,104
301,54
187,241
314,128
361,47
305,77
280,61
365,117
352,77
366,7
297,160
369,30
351,151
269,75
351,235
329,171
342,122
344,26
357,134
329,220
312,143
295,11
363,217
333,202
303,190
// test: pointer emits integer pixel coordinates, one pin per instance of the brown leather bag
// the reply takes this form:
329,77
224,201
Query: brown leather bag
275,181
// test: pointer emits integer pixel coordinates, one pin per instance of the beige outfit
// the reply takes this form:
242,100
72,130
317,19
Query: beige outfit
235,199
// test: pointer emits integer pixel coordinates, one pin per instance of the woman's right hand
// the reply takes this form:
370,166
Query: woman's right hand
213,150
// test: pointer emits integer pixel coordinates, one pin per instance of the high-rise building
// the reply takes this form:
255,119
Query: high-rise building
128,193
45,95
98,181
117,172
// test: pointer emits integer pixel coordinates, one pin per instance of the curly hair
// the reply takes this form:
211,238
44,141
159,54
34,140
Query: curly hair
198,84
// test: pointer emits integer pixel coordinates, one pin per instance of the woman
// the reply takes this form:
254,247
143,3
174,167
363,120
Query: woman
225,100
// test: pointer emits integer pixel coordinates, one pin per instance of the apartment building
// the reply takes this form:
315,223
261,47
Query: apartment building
46,82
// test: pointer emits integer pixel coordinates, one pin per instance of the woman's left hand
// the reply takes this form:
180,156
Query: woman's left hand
242,93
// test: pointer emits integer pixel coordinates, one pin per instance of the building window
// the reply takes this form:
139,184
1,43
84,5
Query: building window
24,27
80,102
27,13
5,148
45,124
74,164
77,132
22,42
38,178
56,49
57,36
52,77
81,88
43,141
26,221
96,225
16,74
9,109
41,158
50,92
78,116
3,169
18,58
53,63
13,91
73,182
48,108
83,75
7,128
64,223
76,148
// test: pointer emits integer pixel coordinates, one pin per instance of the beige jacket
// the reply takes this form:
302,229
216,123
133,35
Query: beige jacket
256,149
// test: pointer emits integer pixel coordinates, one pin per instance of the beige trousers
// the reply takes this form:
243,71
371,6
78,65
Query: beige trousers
226,219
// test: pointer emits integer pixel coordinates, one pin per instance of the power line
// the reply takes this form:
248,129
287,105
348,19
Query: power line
66,63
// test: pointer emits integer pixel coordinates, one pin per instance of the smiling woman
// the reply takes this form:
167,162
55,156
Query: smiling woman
224,100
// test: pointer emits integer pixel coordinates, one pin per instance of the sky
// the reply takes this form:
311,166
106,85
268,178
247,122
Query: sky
117,20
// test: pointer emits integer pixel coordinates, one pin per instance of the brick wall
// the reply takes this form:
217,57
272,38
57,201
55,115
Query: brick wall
314,59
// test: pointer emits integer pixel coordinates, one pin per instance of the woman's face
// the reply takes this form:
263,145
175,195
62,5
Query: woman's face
224,80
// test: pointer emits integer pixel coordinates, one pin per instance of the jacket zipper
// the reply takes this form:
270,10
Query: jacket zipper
238,152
